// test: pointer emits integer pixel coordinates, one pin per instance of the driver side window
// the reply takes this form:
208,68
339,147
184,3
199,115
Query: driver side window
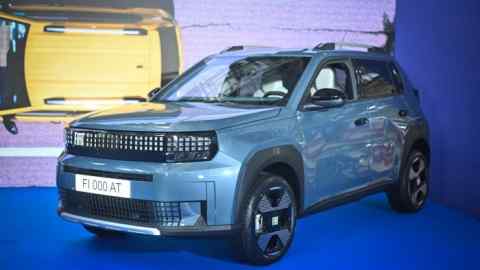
334,76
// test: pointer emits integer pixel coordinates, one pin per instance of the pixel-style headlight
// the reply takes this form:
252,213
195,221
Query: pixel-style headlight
190,147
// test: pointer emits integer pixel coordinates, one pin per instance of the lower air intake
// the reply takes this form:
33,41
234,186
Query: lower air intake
138,212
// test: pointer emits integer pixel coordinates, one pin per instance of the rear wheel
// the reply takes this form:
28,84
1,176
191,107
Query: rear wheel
99,232
268,218
412,190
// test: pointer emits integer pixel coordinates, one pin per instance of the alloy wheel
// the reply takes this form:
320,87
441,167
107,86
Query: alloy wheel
417,184
274,220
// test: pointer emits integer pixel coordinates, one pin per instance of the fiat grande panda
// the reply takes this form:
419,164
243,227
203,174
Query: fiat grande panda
246,142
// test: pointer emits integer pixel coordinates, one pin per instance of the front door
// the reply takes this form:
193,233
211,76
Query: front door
336,141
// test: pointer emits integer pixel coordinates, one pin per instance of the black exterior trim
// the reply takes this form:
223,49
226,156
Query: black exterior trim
417,131
126,176
347,197
199,231
286,154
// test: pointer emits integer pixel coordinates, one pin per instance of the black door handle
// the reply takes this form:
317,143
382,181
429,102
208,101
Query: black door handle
403,113
361,122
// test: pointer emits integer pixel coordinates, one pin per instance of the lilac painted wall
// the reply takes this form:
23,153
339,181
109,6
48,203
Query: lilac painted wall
209,26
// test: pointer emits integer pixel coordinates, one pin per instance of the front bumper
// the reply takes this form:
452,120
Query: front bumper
168,199
110,225
123,227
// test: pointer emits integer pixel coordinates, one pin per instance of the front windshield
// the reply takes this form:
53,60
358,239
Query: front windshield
252,80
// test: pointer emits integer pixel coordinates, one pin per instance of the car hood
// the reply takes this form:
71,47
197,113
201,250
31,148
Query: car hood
174,117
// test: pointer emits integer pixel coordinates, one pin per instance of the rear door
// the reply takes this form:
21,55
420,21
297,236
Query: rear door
379,82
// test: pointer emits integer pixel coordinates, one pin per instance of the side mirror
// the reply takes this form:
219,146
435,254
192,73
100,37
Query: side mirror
153,92
328,98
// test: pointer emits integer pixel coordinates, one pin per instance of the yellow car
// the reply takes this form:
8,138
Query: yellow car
58,62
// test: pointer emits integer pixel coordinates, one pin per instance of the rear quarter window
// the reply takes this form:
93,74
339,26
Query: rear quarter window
374,79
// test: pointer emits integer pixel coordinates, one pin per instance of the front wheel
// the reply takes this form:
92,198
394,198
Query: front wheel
268,220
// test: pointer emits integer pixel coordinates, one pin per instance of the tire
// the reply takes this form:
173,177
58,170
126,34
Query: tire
268,221
411,192
103,233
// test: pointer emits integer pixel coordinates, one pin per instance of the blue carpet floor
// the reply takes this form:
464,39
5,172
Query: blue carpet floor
362,235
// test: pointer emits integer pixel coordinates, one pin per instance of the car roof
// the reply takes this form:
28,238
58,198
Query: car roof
246,51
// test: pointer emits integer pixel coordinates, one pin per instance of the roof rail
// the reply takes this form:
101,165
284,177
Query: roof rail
243,47
331,46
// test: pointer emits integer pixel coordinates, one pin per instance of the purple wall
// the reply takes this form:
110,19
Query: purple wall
208,27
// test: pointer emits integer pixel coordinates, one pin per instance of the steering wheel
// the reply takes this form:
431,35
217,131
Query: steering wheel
275,93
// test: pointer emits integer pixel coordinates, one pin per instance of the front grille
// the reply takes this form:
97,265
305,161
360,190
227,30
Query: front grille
141,146
139,212
115,145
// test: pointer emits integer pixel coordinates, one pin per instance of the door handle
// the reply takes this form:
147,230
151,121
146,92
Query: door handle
361,121
402,113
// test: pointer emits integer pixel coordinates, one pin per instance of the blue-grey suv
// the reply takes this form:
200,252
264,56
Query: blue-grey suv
247,141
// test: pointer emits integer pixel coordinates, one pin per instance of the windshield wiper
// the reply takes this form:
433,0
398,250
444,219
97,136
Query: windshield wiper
225,100
255,102
196,99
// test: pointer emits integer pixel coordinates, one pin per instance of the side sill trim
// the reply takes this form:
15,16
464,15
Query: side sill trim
350,196
110,225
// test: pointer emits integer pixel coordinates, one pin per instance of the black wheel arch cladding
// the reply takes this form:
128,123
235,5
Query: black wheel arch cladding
286,155
417,133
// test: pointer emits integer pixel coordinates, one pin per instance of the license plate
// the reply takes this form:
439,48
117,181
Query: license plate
102,185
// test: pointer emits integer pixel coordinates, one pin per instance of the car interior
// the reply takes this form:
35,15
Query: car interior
333,76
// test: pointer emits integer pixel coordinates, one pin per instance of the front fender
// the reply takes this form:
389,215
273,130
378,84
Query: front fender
286,154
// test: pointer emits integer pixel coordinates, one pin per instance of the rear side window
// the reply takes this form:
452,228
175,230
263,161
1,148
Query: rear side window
374,79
